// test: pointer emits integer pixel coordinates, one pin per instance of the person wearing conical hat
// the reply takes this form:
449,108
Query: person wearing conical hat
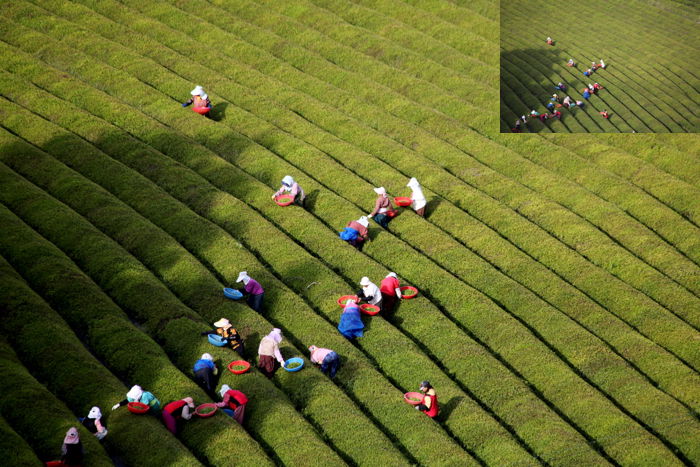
269,355
356,233
204,372
383,208
176,411
200,102
328,359
289,185
137,394
233,402
225,329
429,404
93,423
252,290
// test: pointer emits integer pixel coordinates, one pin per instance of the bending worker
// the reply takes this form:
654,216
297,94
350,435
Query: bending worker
204,372
252,290
329,360
226,330
293,188
370,292
429,405
390,291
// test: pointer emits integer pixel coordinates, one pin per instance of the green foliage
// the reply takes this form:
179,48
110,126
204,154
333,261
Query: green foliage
558,305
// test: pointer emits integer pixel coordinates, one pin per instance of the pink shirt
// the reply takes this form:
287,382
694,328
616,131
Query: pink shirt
319,354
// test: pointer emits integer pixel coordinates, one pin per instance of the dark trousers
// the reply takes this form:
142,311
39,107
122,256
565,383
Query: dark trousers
330,364
388,303
205,378
255,302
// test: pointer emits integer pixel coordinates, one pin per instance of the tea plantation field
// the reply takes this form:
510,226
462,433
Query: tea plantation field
651,79
559,309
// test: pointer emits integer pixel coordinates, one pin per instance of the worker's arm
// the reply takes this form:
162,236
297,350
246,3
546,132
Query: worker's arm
377,206
185,104
425,405
278,355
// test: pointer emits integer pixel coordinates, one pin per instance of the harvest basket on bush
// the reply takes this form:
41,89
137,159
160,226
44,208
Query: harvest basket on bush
238,367
413,398
233,294
294,364
403,201
206,410
345,298
368,309
408,291
138,408
284,200
216,340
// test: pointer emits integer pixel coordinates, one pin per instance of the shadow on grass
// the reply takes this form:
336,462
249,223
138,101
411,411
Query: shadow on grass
446,409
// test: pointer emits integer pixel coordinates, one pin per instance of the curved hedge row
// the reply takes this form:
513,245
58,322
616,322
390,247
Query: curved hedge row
120,277
25,324
85,159
49,421
16,449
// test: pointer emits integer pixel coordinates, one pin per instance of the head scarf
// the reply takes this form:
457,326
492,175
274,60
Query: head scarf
223,323
197,91
392,274
72,436
288,180
276,335
189,401
312,348
95,413
204,96
206,356
380,190
365,281
135,392
224,389
363,221
243,276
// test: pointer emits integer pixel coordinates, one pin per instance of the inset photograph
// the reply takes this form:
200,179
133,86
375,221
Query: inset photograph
603,66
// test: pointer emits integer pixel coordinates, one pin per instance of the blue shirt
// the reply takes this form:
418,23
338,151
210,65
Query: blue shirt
203,363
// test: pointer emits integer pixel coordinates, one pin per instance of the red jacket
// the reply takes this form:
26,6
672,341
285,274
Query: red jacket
433,410
234,398
389,285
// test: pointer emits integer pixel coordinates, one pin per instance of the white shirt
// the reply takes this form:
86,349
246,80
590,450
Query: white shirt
373,291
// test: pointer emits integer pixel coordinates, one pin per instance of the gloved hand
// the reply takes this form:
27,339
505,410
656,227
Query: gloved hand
185,104
282,364
216,371
416,407
115,406
220,404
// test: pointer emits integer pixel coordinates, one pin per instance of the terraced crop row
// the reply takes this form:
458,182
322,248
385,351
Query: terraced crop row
559,306
656,95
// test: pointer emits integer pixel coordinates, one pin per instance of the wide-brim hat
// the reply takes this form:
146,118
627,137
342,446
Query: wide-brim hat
222,323
365,281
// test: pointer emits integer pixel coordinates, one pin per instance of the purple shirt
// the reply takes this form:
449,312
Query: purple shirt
253,288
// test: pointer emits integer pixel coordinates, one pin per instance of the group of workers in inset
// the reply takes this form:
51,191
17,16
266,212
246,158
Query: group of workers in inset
556,103
270,359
